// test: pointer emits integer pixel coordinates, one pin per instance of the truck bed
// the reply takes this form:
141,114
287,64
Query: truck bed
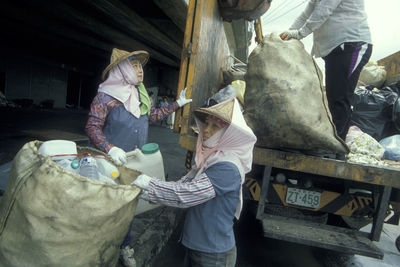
383,176
378,175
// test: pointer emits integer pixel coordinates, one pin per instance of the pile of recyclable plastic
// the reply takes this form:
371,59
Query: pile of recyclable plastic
65,154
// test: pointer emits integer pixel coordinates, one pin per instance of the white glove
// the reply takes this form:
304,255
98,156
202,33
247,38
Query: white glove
182,100
290,34
142,181
118,155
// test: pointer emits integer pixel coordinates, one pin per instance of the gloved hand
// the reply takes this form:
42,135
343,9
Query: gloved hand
142,181
182,100
118,155
290,34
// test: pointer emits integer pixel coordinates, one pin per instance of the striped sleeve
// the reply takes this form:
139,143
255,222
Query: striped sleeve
180,194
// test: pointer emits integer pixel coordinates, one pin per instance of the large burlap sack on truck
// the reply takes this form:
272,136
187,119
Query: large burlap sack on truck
284,101
52,217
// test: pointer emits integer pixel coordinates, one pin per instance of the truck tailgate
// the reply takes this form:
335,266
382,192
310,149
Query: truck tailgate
317,235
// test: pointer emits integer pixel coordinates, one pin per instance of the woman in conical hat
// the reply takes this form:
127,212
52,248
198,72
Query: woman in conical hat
119,114
212,189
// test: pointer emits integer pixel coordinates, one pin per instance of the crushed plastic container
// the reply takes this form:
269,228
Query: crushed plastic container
149,161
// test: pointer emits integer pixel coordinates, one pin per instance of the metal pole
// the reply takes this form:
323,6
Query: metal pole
258,29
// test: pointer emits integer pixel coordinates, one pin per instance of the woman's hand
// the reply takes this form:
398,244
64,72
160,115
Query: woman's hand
142,181
290,34
118,155
182,99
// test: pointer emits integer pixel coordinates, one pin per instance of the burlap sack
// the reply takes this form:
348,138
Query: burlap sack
52,217
284,101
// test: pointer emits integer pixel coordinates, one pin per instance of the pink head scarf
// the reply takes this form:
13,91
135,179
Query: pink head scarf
121,84
235,145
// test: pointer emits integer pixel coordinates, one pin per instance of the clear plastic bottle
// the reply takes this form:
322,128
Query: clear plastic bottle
66,164
88,167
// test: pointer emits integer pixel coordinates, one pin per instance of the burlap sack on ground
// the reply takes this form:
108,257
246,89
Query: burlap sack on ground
52,217
284,101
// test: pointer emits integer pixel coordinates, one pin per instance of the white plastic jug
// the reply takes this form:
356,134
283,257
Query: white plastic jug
66,149
149,161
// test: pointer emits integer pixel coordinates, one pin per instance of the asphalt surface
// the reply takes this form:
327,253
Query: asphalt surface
156,233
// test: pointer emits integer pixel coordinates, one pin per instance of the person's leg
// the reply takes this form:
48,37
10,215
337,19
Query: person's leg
186,260
203,259
342,70
231,257
127,252
128,236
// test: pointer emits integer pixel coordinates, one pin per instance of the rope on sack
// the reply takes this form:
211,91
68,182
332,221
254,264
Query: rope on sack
238,60
83,154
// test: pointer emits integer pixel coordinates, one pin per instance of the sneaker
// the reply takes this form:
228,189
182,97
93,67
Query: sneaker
126,256
398,243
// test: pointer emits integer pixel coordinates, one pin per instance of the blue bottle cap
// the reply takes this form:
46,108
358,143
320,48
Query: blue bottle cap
75,164
150,148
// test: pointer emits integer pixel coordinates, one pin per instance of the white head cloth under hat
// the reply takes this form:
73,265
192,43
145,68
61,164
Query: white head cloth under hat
235,145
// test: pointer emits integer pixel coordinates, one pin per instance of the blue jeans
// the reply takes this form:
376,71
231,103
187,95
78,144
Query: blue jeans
128,236
195,258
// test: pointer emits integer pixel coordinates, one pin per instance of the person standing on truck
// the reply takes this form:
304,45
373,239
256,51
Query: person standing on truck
212,189
341,36
120,112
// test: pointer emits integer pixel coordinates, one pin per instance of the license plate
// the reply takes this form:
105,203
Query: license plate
304,198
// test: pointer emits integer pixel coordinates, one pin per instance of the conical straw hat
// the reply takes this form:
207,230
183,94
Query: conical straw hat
117,56
223,111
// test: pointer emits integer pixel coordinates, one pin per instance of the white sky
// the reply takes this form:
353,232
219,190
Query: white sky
383,20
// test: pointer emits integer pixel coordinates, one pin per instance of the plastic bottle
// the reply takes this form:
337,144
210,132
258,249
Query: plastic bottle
240,88
149,161
106,168
89,168
66,164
